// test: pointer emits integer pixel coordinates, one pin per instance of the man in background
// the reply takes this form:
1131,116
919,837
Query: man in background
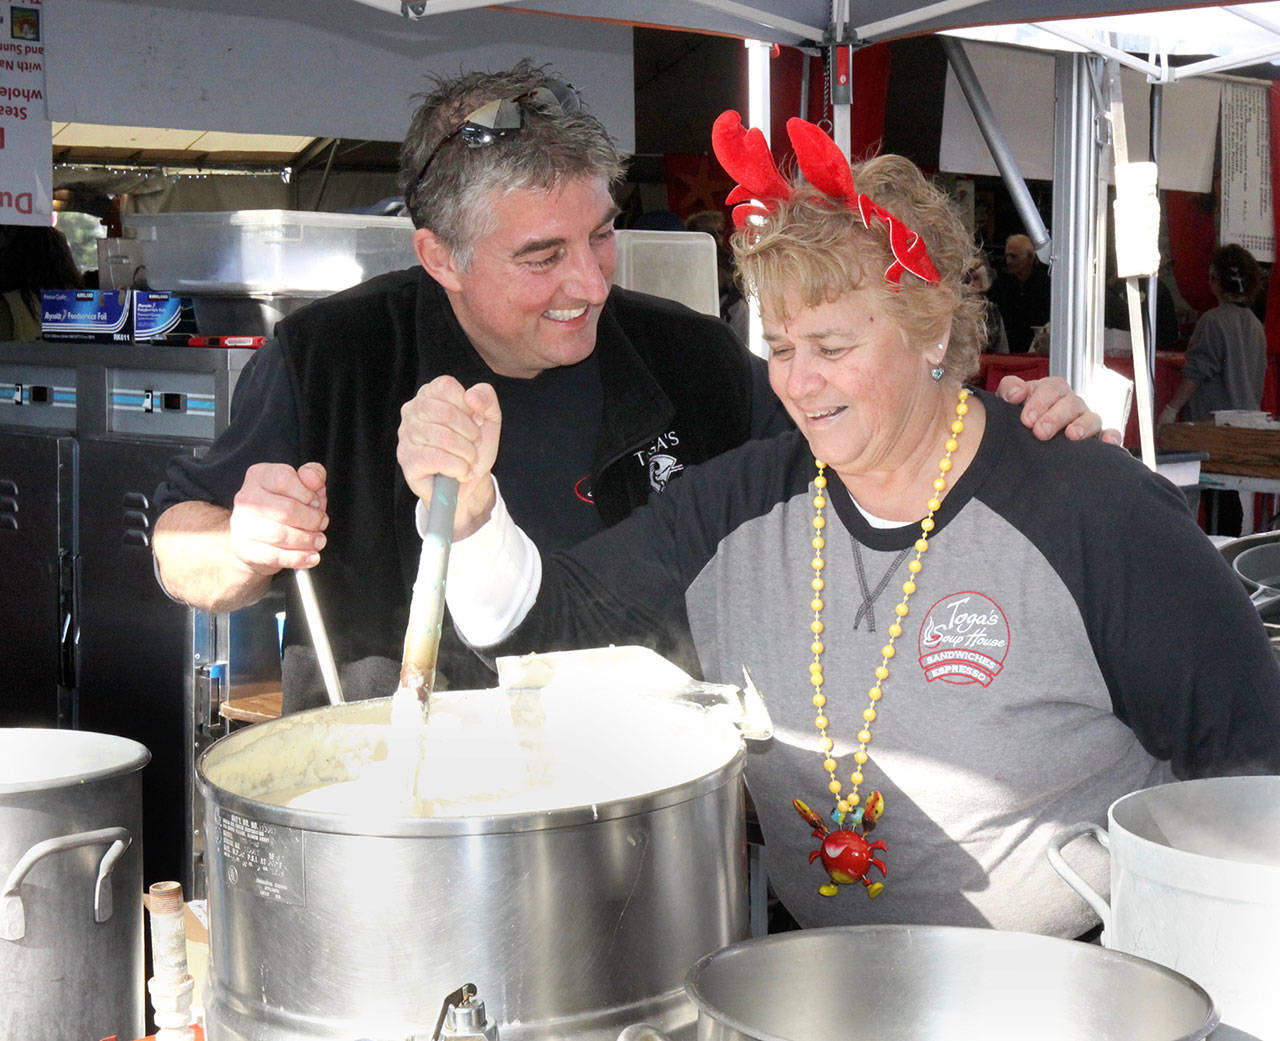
1021,293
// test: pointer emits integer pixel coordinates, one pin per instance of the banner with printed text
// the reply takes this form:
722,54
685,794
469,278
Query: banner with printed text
1246,170
26,166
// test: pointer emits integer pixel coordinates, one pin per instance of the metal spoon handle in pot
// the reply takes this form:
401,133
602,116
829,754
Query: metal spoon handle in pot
319,636
426,609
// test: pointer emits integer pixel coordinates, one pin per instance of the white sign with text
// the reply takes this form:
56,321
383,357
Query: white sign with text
26,169
1246,170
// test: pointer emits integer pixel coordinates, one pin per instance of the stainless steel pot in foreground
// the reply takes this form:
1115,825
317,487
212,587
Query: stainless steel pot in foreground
573,920
1195,885
939,983
70,885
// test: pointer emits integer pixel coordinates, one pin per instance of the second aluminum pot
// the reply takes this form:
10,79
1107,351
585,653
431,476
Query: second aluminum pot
1195,885
938,983
71,965
573,921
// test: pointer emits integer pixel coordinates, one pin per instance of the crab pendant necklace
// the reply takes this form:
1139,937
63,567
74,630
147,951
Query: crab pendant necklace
846,854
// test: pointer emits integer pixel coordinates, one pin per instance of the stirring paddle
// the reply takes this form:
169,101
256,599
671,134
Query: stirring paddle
426,609
319,636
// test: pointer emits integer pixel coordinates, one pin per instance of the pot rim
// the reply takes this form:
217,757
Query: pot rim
133,756
374,824
1211,1022
1250,880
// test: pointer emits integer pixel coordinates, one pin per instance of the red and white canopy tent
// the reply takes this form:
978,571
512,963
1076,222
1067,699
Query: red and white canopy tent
354,66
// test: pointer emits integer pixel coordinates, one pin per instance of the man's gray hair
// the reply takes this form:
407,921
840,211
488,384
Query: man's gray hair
453,198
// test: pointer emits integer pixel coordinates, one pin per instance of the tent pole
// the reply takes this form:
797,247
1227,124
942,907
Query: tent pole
996,144
1074,311
759,114
1156,103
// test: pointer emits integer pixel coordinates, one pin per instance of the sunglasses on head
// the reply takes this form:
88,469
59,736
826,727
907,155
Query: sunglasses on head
496,119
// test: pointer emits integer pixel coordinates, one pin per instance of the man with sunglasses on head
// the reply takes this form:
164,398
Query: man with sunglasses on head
605,394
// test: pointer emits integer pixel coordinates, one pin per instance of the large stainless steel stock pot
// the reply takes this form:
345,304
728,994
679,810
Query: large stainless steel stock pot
572,856
1195,885
937,983
71,872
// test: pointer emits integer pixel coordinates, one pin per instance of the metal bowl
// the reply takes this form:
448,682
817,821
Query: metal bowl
1236,548
940,983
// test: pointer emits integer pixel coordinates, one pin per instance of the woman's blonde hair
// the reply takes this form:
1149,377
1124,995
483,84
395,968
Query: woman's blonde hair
819,248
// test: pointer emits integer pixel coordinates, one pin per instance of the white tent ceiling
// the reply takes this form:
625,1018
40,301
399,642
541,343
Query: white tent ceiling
809,22
1235,36
1148,41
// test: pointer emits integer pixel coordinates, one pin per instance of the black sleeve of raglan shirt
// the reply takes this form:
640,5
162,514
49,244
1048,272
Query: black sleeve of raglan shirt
263,429
1181,649
1185,654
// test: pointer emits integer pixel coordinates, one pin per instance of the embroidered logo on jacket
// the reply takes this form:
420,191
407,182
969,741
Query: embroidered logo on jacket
964,639
658,461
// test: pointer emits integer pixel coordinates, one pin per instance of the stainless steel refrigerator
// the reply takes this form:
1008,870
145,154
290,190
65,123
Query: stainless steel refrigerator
88,639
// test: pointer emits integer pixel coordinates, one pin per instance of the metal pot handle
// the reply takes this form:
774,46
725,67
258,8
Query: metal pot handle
13,918
1071,876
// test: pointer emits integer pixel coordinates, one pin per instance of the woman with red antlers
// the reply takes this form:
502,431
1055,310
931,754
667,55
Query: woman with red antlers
968,638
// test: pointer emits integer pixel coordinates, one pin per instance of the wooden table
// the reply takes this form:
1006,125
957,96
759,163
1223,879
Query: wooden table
1244,451
255,708
1243,459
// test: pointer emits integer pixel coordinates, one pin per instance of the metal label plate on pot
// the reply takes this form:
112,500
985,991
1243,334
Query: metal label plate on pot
264,859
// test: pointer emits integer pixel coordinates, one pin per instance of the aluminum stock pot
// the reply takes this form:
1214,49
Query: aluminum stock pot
570,856
71,876
1195,885
938,983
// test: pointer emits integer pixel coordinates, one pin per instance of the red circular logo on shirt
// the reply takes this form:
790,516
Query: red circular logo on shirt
964,639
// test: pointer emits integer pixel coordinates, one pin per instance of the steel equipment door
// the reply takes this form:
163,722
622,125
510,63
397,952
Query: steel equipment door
133,638
37,624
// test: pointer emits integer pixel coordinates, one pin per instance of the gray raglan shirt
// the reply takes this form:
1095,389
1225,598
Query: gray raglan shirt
1074,637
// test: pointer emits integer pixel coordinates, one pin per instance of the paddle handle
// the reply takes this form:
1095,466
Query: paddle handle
426,609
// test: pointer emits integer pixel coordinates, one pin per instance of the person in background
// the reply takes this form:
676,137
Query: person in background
32,257
733,306
1021,292
607,395
965,637
1226,361
981,277
1116,307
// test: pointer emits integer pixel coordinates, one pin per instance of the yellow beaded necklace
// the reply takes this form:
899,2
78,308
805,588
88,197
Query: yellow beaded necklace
837,857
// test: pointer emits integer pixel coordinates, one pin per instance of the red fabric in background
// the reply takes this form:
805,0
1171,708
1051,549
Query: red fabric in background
995,367
1273,290
869,77
869,73
696,182
1193,236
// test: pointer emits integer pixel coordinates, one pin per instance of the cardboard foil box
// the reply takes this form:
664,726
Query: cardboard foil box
87,315
156,315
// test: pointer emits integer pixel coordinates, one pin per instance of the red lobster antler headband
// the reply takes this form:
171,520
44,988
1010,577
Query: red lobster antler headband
746,158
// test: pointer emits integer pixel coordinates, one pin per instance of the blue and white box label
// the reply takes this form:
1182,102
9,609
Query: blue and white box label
157,314
94,315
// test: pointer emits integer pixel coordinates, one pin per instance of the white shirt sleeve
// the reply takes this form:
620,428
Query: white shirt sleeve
493,577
